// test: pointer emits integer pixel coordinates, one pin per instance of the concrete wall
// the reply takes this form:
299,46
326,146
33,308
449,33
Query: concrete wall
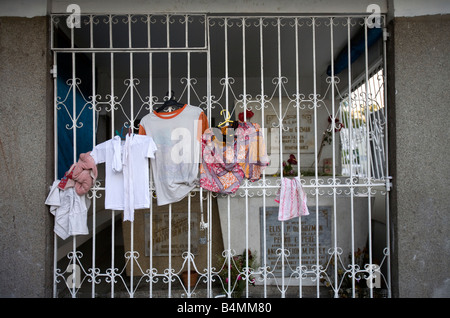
419,132
25,158
230,6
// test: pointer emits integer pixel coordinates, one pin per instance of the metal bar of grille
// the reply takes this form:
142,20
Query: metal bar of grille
351,157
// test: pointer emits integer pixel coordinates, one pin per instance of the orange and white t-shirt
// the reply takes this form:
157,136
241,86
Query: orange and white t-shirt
177,136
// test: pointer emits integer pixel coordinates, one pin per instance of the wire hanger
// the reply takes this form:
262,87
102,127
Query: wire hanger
171,102
227,119
225,129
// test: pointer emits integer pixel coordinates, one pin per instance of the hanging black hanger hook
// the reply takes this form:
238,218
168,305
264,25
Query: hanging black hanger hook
171,101
171,96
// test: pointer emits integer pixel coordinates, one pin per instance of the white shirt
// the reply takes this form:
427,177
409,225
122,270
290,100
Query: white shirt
126,189
176,164
70,211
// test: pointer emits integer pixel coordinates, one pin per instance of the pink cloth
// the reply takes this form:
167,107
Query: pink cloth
84,173
292,199
81,175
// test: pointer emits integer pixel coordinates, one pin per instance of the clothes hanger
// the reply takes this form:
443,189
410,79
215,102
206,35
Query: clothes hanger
171,102
121,135
227,120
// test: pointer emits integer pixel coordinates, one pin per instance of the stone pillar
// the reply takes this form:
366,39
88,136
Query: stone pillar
26,152
419,95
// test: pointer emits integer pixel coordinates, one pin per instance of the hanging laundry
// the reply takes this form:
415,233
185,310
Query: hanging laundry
126,172
177,135
128,188
116,164
292,199
251,150
84,173
225,165
69,209
81,175
219,171
67,181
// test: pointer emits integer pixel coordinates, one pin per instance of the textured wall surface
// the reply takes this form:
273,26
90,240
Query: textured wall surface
420,153
25,149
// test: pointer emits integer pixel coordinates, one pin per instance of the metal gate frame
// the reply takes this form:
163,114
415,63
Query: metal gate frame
317,187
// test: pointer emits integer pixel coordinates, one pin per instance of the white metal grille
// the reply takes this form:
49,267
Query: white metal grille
114,69
354,118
